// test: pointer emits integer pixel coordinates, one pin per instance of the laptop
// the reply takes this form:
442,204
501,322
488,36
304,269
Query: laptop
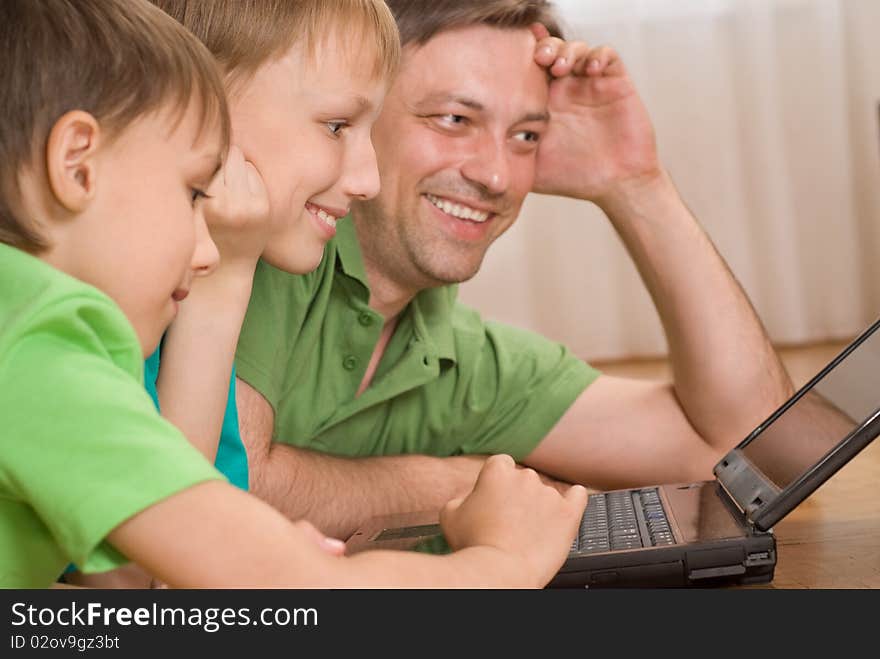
716,532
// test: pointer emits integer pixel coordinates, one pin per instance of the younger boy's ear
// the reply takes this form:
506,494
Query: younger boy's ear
70,159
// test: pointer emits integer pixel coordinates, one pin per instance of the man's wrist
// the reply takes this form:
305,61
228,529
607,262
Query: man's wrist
635,192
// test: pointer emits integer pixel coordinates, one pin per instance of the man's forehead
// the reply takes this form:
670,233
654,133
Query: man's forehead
479,67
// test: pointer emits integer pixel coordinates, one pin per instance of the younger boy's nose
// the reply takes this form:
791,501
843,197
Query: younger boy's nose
206,256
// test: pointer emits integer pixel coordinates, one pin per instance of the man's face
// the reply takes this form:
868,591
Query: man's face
456,145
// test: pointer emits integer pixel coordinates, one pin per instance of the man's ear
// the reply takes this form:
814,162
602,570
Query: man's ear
71,163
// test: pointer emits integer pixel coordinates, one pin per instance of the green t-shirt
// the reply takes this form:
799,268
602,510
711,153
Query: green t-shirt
449,383
82,447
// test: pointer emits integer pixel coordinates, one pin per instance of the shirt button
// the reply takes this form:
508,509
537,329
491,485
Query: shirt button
350,363
365,319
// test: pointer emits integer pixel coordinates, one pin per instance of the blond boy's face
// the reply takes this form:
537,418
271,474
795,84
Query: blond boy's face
143,238
305,125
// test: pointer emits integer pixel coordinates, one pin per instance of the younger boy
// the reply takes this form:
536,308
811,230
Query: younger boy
112,124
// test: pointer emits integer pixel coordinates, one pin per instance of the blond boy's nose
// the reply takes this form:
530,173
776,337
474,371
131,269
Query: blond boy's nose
362,175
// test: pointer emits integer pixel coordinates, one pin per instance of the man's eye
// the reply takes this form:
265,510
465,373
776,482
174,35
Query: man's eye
336,127
528,136
452,119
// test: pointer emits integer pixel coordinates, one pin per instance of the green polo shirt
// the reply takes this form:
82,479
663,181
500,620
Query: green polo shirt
449,383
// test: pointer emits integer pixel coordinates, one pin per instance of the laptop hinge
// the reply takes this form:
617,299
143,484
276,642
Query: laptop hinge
745,485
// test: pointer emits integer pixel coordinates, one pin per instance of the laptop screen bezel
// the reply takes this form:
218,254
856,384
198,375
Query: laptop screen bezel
763,503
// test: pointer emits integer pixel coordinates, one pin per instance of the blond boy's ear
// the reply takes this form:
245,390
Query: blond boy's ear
70,159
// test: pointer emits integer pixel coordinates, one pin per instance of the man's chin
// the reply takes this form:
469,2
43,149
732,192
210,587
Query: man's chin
448,274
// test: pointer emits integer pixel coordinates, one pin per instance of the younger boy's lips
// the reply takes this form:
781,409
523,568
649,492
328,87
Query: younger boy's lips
179,294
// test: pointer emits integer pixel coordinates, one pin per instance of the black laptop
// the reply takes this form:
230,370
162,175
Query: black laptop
711,532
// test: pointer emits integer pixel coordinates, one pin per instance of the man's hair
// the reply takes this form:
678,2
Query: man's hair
421,20
245,34
115,59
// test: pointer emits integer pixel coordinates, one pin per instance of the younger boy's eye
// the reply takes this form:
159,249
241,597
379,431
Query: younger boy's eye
336,127
197,194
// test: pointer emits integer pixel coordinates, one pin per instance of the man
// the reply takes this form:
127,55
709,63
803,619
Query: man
372,360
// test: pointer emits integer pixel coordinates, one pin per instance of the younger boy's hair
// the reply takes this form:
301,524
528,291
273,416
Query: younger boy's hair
243,35
115,59
420,20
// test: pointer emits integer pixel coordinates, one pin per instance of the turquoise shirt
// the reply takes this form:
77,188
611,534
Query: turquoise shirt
231,458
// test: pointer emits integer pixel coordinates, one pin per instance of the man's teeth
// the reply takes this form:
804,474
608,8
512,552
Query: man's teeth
458,210
328,219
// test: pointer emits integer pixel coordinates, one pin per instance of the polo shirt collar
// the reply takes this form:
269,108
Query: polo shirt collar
432,308
348,251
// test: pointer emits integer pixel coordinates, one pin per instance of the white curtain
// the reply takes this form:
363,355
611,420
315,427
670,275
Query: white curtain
766,114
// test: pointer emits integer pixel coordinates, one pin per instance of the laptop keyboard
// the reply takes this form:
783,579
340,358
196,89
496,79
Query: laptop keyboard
630,519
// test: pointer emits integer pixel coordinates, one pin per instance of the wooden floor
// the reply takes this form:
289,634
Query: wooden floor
802,363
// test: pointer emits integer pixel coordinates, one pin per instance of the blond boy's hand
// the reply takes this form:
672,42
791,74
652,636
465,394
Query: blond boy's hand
237,212
512,510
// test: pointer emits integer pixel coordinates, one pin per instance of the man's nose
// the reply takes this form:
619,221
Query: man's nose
206,256
488,165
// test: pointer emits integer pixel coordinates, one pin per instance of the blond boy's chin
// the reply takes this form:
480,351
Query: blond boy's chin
127,576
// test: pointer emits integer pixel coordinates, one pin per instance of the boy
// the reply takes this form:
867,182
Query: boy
305,81
113,125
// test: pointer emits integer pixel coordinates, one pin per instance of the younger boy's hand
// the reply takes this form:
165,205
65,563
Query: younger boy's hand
237,212
512,510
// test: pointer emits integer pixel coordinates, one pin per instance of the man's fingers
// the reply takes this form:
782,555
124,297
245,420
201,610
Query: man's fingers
604,61
539,30
547,51
570,55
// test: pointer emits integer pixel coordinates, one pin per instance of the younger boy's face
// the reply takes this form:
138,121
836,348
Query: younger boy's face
144,238
305,125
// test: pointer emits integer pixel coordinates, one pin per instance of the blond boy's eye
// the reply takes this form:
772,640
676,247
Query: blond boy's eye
336,127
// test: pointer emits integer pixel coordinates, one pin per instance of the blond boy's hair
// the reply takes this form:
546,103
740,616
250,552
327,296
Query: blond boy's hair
245,34
115,59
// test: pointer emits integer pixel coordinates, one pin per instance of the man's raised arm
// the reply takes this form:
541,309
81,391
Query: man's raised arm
727,377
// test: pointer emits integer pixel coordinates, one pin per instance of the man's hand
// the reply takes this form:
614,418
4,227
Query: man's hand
600,135
237,212
511,510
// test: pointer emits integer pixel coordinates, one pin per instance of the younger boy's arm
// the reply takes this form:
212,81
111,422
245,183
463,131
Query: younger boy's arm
511,531
199,347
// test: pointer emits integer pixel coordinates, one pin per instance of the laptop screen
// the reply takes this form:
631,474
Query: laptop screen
841,398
